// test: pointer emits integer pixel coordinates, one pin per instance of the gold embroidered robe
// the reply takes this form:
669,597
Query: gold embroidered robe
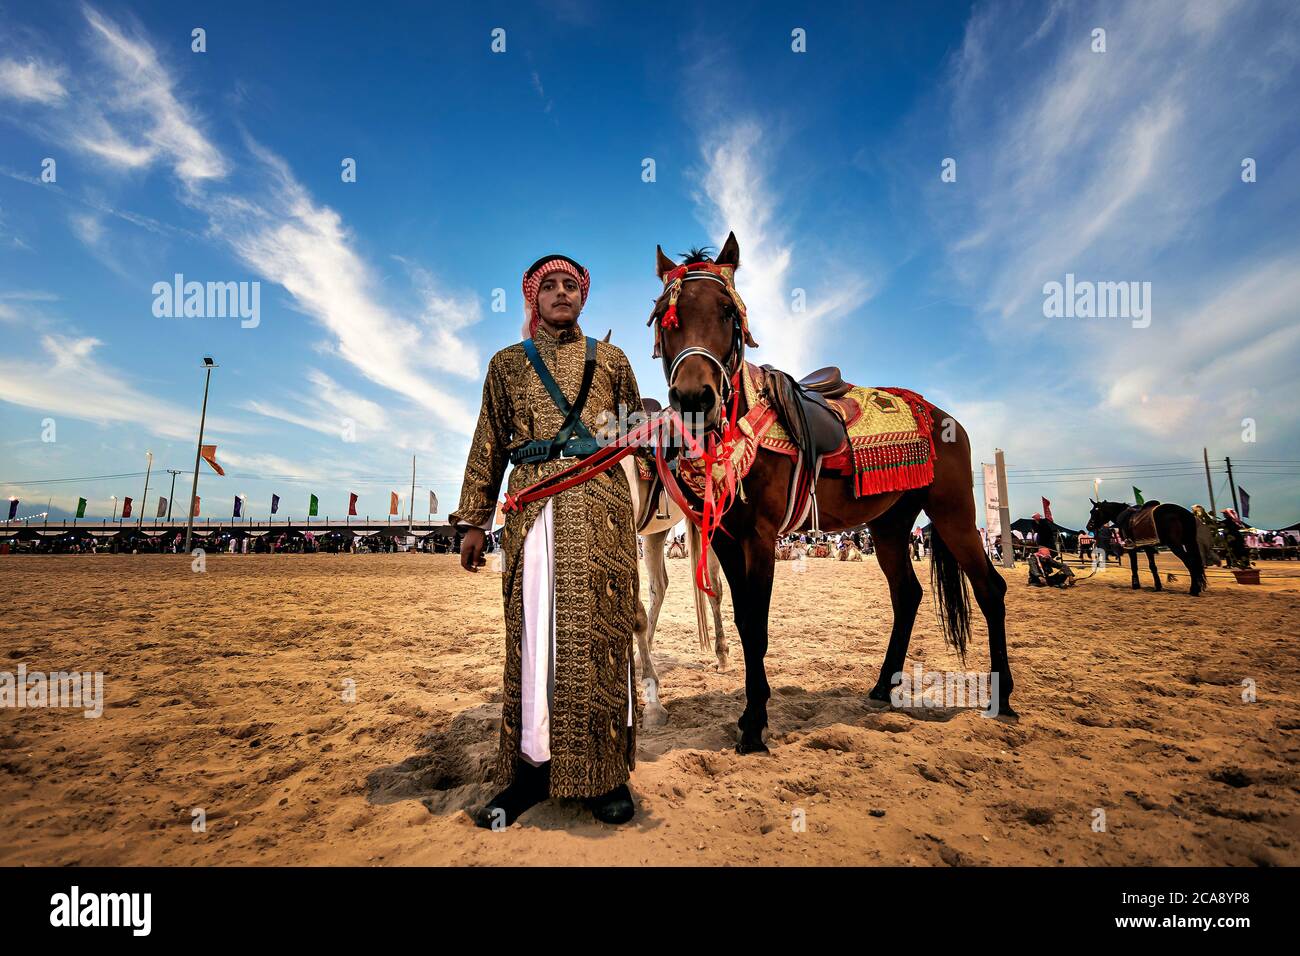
592,747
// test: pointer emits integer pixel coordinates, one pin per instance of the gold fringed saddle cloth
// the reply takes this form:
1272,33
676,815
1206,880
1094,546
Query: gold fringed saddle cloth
890,445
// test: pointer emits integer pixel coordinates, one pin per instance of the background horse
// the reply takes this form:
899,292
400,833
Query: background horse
655,525
1176,527
702,346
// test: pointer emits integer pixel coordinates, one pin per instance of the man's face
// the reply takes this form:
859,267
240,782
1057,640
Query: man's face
559,299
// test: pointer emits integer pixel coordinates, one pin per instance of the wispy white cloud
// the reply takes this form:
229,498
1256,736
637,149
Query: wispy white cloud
288,238
129,112
32,81
735,196
69,379
87,228
143,97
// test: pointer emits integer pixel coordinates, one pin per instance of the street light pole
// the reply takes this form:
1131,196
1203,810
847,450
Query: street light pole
172,497
198,452
144,498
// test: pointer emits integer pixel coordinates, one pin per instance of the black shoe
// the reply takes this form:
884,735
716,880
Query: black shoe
614,807
530,787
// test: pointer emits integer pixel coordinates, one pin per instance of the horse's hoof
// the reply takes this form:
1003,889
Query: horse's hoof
654,716
879,694
722,666
1006,710
752,747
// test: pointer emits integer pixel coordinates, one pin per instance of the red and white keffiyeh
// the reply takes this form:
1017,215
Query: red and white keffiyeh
532,284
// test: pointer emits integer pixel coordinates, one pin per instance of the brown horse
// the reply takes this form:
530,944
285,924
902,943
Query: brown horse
709,324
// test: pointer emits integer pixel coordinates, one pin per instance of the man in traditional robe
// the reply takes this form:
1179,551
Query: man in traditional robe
569,565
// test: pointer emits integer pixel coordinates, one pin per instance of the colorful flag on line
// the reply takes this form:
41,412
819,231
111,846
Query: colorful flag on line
1047,509
195,510
352,503
162,506
392,502
81,507
275,504
433,503
13,508
239,503
313,506
1245,502
209,454
126,507
1137,495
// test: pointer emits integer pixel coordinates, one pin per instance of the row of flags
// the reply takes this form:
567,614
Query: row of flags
313,506
209,454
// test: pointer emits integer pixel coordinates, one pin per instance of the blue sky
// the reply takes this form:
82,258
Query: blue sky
377,295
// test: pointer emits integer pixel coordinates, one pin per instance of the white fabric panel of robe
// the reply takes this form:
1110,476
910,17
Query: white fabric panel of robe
538,652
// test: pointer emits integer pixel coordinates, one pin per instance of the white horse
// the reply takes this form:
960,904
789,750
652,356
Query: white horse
654,520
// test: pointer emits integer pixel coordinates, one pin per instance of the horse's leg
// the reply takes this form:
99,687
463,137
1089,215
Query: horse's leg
1151,560
1180,552
1133,560
748,565
657,572
954,522
715,602
891,533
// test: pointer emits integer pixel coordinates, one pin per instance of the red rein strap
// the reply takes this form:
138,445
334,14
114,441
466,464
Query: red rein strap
583,469
716,505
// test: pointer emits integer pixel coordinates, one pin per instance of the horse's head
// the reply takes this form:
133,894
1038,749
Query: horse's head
701,331
1103,512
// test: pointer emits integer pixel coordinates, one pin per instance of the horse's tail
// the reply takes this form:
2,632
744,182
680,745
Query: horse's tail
1192,542
951,596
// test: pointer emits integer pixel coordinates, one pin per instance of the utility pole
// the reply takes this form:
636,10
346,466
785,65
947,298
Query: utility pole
1205,454
1004,511
412,524
144,498
172,497
1232,486
203,417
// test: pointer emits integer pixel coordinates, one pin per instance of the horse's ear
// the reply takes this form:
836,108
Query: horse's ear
663,264
607,335
1093,503
730,254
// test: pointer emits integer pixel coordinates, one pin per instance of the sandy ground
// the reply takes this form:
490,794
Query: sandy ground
226,692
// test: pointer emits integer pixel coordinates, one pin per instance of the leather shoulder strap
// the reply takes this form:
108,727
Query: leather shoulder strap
572,423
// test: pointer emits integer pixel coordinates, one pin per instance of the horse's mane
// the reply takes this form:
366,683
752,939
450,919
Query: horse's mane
696,254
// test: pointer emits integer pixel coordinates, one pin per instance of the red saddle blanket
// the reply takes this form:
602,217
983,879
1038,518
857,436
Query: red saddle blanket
890,445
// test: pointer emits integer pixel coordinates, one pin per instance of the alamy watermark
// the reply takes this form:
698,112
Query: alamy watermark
75,908
71,689
179,299
1085,299
922,688
614,426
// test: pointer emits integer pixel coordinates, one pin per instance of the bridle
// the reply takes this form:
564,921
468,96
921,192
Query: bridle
729,366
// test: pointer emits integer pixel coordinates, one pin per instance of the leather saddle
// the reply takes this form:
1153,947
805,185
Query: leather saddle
816,429
1137,525
826,381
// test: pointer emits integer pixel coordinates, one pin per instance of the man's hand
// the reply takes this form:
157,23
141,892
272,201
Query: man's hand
471,549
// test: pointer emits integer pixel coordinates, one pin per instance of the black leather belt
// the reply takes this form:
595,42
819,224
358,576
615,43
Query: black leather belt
540,450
